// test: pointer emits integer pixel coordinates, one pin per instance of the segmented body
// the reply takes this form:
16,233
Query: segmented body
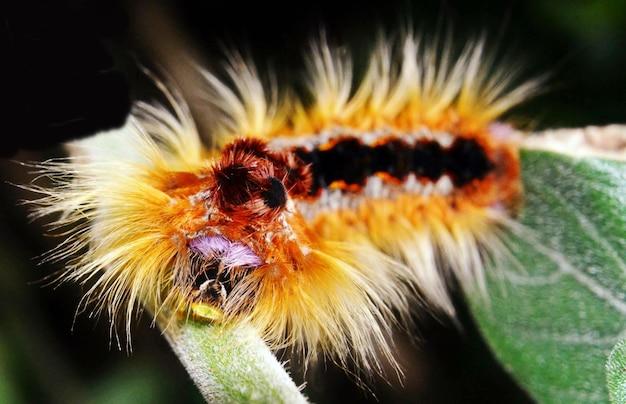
316,224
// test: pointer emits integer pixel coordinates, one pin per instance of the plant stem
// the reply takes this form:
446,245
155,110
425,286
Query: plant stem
232,365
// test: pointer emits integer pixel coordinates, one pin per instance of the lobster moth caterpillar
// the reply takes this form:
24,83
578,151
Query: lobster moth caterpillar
317,223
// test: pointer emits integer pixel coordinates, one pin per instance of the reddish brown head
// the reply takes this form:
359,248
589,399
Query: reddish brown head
253,183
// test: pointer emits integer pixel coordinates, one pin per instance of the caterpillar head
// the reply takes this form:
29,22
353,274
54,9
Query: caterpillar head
253,184
248,219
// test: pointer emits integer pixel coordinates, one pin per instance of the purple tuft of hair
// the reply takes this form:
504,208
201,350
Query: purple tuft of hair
231,253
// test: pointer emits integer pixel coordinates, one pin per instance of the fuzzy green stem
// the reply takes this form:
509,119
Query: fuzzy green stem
232,365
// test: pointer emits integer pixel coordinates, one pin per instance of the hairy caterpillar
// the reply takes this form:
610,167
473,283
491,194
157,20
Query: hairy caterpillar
315,222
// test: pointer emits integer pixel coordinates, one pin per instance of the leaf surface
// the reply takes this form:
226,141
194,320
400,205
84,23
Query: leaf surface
558,302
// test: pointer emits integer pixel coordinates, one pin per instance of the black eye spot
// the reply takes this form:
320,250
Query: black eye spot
275,196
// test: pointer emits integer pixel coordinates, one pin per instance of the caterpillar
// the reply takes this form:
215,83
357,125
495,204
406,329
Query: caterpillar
321,223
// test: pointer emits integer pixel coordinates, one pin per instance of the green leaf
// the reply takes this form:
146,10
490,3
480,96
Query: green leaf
558,305
616,373
232,365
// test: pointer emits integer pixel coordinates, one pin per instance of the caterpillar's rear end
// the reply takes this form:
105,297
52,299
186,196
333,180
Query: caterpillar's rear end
319,223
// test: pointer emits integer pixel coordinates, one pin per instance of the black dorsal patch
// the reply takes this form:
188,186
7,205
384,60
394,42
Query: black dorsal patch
351,161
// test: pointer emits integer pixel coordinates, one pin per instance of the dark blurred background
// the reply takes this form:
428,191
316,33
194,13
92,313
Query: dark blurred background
69,68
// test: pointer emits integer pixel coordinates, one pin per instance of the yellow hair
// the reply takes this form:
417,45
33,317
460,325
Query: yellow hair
405,87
